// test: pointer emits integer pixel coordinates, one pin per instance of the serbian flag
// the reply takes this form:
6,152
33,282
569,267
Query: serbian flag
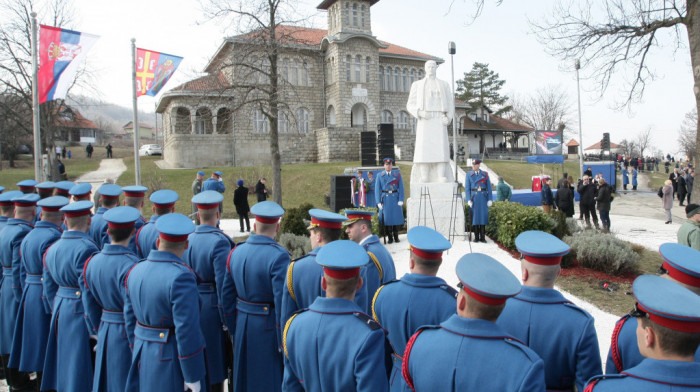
61,52
153,70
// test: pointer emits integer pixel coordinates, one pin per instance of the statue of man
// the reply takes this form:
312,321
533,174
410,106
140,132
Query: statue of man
432,103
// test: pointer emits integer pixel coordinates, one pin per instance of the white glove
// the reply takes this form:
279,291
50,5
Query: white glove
469,203
489,203
400,203
380,206
193,386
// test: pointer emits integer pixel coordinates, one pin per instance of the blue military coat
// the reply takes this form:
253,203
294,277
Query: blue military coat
146,238
478,189
252,303
388,190
539,317
132,242
403,306
470,355
98,228
211,184
380,269
303,285
333,347
12,278
32,325
370,198
68,365
3,222
634,177
206,255
625,178
651,375
104,294
162,314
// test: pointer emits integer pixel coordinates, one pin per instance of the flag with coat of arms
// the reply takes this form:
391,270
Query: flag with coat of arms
153,70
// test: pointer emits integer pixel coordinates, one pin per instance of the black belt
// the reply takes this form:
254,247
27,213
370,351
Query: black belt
479,189
389,191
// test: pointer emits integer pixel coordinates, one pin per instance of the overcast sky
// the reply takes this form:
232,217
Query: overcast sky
500,37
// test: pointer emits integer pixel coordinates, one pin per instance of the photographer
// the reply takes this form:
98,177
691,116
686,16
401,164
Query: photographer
587,189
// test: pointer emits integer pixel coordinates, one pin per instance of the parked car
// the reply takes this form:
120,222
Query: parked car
150,149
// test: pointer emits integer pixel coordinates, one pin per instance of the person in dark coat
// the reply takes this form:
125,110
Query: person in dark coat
587,190
546,196
564,199
240,200
260,190
682,188
604,198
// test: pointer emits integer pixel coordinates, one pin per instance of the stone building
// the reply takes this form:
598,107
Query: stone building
335,83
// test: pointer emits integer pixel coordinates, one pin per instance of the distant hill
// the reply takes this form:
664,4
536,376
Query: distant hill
108,116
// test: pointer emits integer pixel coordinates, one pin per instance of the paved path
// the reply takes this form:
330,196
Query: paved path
109,168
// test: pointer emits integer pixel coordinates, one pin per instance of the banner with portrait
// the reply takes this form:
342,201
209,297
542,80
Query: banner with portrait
548,142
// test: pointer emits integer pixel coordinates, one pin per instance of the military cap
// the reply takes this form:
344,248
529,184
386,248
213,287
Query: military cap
342,259
326,219
135,191
79,208
207,200
110,191
218,173
26,185
486,280
63,187
476,161
267,211
356,215
682,263
81,189
122,217
46,185
53,203
427,243
27,200
6,198
2,189
201,173
666,303
174,227
388,160
164,198
541,248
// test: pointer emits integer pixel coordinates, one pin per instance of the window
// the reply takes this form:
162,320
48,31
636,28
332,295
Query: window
362,14
354,14
367,76
347,13
265,74
348,60
387,79
381,77
413,76
420,75
404,80
397,80
295,73
305,74
403,120
386,117
261,122
358,68
285,70
199,125
303,120
282,122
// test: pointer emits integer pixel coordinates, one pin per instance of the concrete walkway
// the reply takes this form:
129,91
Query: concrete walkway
109,168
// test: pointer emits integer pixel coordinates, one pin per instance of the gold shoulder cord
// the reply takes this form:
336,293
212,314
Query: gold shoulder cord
284,334
376,264
290,282
374,301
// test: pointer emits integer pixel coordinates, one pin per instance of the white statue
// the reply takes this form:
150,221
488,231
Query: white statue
432,103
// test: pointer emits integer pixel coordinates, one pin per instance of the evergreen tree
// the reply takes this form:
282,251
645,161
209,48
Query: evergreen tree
482,86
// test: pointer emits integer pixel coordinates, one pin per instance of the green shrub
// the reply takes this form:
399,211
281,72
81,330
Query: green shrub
561,229
293,219
603,252
573,226
507,220
297,245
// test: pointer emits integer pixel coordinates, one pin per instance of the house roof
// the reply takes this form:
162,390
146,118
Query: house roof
130,125
496,124
71,118
598,146
572,143
205,83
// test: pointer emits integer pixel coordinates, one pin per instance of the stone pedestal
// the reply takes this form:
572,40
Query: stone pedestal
431,205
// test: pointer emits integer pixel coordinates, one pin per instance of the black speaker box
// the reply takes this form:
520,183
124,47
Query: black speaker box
341,192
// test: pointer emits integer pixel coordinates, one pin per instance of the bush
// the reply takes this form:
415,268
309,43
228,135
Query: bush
297,245
561,229
293,219
603,252
507,220
573,226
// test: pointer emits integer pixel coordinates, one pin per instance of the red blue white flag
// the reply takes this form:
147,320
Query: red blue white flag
61,52
153,70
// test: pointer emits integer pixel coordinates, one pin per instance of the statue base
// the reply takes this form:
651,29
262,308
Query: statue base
431,205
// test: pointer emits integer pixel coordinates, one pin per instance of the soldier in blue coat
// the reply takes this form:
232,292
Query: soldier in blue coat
63,188
334,346
215,183
43,189
146,237
381,269
668,335
207,254
7,207
634,179
680,266
81,191
162,315
419,298
33,319
103,297
27,186
109,198
625,178
134,197
68,364
388,192
13,279
252,302
478,195
463,352
540,315
301,284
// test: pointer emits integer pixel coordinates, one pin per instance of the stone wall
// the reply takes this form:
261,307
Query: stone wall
194,151
337,144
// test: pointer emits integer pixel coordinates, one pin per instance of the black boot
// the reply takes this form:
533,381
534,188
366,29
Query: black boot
483,233
396,234
388,231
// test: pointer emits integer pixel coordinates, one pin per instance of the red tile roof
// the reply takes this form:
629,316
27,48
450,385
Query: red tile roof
597,146
73,120
572,143
205,83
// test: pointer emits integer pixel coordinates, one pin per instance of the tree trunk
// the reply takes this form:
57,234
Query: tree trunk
693,27
276,164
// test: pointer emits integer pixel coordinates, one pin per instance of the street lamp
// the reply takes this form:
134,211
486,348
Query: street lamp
452,49
577,65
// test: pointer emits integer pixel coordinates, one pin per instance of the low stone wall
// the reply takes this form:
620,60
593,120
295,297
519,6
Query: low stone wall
338,144
193,151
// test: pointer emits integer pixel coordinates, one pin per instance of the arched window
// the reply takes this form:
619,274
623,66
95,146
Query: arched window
358,69
285,70
354,14
381,78
362,14
387,78
347,13
282,122
404,80
367,67
331,116
402,121
348,61
397,80
261,122
303,120
420,74
413,76
295,73
386,117
305,74
265,73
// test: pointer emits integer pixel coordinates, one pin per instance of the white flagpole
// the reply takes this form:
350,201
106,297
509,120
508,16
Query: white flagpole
137,163
35,101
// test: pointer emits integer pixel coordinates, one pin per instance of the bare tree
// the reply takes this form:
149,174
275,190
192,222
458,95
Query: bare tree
643,141
687,140
612,37
629,147
547,108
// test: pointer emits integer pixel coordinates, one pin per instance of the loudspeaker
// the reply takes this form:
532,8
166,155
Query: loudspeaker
385,141
368,148
341,192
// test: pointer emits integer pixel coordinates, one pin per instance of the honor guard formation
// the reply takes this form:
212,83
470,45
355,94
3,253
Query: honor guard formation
113,302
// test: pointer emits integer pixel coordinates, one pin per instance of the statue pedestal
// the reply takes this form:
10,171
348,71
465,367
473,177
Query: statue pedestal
431,205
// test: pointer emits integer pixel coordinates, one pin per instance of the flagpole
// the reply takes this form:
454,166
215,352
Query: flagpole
35,102
137,162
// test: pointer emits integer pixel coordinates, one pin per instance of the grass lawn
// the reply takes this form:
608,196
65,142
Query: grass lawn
24,169
519,174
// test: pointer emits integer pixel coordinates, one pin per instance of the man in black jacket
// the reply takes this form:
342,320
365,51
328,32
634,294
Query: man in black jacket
587,190
260,190
240,200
